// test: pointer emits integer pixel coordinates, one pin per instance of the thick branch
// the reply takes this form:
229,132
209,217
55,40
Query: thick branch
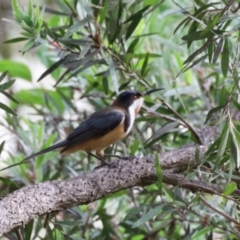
19,207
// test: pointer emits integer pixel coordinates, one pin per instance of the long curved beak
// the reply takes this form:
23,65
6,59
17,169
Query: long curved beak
152,90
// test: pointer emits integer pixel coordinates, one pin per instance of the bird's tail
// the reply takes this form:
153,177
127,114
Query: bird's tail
53,147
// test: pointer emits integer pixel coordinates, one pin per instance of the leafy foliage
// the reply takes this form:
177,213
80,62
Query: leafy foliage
99,48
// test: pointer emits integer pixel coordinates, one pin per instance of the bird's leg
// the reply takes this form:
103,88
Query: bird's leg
99,158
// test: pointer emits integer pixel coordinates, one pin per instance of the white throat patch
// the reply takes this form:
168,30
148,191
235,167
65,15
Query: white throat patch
133,110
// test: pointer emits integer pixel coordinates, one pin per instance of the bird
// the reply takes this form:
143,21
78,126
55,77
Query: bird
102,128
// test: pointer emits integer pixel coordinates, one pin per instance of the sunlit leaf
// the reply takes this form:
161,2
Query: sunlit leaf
231,187
17,69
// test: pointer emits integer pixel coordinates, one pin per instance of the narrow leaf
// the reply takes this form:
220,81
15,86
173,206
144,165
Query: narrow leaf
148,216
9,182
76,26
217,50
137,14
197,35
144,66
225,58
51,69
6,85
3,75
132,26
14,40
7,109
1,146
212,111
132,45
211,24
105,85
10,97
223,144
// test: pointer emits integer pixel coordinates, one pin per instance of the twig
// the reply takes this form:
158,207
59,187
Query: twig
195,133
219,211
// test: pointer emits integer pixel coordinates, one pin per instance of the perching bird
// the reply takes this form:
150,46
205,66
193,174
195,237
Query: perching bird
102,128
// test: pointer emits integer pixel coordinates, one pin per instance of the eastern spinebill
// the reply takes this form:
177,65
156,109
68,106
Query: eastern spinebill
103,128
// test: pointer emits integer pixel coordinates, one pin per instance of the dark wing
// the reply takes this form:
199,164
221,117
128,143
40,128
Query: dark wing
97,125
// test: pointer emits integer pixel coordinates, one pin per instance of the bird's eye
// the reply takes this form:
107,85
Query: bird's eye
134,97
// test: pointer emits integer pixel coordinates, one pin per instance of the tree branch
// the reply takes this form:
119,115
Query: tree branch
19,207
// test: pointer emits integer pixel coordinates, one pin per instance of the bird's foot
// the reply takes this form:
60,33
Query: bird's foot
103,162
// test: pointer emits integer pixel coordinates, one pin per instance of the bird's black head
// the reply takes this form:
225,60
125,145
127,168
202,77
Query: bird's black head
132,100
127,98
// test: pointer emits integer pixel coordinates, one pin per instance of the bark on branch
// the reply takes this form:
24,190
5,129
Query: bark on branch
19,207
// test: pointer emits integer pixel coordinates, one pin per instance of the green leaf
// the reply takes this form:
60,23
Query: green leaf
199,3
30,9
210,52
76,26
6,85
120,9
194,36
7,109
10,97
15,69
17,11
132,26
9,182
144,66
225,58
212,24
198,51
28,45
231,187
212,111
28,230
116,34
104,12
235,145
105,85
218,50
149,215
201,234
3,75
185,21
137,14
132,45
196,62
223,144
1,146
51,69
14,40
